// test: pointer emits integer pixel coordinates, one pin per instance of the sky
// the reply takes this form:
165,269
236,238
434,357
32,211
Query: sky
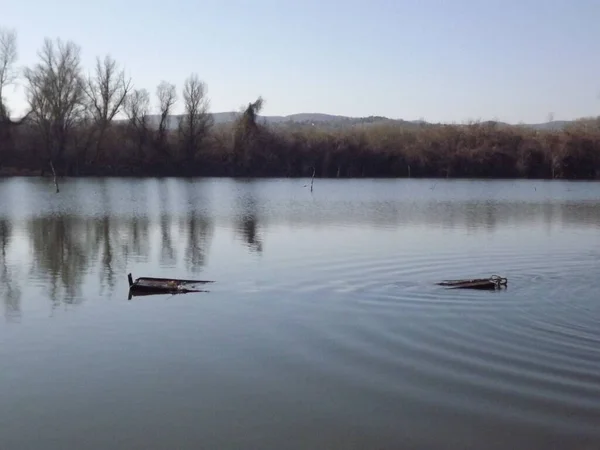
440,61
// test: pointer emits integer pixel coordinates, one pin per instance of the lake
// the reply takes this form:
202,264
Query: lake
324,327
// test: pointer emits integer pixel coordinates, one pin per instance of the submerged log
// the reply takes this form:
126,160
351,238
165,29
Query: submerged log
492,283
152,286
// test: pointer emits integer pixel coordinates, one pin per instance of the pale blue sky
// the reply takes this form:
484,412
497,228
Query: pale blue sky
438,60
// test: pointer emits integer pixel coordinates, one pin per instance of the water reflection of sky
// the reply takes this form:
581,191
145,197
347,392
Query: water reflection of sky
87,238
324,306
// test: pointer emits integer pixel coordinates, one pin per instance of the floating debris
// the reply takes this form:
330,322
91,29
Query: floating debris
492,283
153,286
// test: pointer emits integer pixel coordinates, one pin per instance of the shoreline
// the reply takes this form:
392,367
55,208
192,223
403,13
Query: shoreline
10,172
255,151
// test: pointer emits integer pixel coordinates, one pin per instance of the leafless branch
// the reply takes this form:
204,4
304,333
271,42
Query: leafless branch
196,120
55,94
105,92
137,108
167,97
8,58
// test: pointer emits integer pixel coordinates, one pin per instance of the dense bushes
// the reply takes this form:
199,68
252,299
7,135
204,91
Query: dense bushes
250,149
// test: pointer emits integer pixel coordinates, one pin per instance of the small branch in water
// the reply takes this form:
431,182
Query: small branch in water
54,175
312,180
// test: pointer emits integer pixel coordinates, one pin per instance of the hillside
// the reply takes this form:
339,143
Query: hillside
335,121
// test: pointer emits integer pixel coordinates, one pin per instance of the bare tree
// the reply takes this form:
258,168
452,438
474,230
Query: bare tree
106,92
196,120
167,97
8,58
136,108
55,95
246,135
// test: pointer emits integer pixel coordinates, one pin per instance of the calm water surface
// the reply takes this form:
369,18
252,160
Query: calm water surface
324,329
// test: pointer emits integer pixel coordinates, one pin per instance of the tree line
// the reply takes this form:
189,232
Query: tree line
71,128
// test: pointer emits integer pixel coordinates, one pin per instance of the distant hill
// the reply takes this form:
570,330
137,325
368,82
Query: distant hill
554,125
306,119
336,122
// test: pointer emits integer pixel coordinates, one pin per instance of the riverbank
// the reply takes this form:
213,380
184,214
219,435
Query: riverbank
8,173
484,151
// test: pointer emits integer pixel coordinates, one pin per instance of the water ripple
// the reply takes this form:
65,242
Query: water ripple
325,324
526,353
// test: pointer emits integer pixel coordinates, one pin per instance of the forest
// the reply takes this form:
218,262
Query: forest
100,124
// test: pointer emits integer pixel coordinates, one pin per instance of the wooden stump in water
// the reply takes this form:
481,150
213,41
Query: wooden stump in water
492,283
54,175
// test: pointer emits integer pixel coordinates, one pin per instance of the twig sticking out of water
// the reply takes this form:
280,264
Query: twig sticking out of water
312,180
54,175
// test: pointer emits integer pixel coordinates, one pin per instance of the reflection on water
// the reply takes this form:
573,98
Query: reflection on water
9,289
66,249
335,337
246,217
103,230
197,230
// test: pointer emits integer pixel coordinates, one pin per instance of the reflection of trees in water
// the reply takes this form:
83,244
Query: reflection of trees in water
246,221
68,248
482,215
63,249
9,289
168,254
474,215
136,239
104,242
198,231
116,241
108,272
247,225
197,226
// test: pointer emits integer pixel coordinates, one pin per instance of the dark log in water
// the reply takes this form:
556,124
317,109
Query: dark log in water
492,283
150,286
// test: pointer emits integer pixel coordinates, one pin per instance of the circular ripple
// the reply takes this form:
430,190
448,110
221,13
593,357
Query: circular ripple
527,356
